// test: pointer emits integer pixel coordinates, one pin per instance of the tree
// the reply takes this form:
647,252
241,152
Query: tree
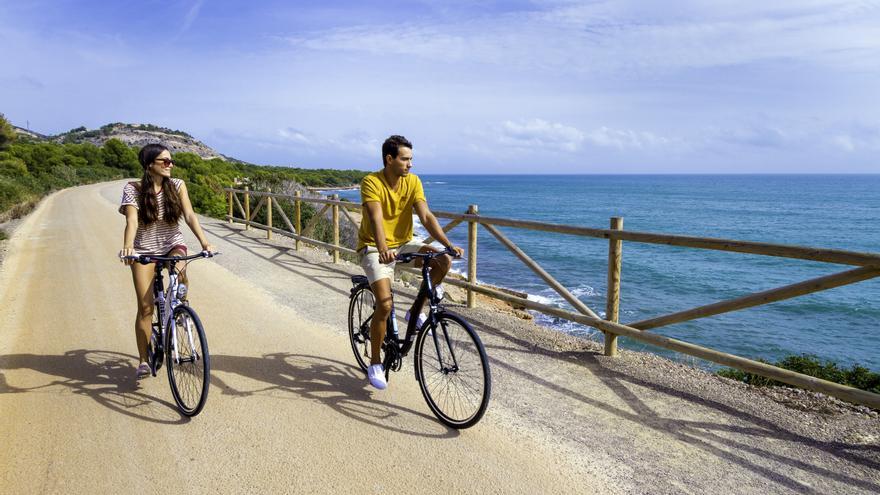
7,133
118,155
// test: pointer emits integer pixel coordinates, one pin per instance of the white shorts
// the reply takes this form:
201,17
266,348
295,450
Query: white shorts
377,271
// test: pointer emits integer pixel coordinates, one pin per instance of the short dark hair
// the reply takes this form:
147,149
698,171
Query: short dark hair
392,145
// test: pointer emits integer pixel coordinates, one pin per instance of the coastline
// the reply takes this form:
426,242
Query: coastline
329,189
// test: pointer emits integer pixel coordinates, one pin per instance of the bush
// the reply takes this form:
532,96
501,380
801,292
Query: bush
809,364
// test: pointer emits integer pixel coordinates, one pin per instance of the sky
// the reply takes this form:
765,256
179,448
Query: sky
543,86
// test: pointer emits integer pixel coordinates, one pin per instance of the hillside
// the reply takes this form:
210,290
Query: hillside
137,135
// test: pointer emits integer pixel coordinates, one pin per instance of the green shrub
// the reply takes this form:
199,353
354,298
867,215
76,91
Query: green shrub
809,364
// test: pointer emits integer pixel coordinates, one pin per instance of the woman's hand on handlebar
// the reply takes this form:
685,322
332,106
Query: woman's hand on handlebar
125,256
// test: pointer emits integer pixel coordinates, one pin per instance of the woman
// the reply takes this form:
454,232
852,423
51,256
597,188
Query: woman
152,209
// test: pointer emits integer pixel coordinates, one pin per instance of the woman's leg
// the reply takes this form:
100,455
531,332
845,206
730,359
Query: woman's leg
181,268
143,288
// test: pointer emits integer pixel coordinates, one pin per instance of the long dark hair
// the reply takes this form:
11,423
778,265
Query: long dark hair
148,204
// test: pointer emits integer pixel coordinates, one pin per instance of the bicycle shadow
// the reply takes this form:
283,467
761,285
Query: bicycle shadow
106,377
332,383
703,435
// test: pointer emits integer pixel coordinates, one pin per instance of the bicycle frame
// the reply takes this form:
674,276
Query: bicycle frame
427,290
166,316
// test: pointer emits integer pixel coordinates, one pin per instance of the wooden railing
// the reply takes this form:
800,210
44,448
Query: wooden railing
868,266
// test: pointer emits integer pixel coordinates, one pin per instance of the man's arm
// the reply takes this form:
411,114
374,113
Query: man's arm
429,221
377,221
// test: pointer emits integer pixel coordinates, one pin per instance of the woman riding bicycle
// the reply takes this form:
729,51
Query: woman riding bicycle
152,208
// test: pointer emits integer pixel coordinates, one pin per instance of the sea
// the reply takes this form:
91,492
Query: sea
821,211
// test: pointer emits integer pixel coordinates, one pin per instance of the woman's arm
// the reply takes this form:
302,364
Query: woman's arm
192,219
131,224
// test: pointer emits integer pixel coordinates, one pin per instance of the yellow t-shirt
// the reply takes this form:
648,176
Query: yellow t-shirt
397,208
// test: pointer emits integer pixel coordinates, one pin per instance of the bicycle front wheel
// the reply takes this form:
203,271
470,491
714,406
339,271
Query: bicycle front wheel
188,361
453,371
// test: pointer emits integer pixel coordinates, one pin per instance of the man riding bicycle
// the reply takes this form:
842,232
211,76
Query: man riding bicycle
388,198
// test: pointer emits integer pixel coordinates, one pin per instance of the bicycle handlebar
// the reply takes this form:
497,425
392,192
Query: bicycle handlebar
147,259
407,257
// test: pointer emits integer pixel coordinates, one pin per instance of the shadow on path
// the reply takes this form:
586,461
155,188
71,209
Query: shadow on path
338,385
754,430
106,377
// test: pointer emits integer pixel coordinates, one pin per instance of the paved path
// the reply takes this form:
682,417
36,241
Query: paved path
289,412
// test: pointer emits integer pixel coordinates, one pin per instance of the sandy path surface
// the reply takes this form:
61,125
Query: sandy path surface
289,412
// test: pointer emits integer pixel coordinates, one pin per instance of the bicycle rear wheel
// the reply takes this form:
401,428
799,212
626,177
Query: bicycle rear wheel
360,310
453,371
188,361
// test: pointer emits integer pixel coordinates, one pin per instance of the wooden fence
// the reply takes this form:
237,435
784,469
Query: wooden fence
867,267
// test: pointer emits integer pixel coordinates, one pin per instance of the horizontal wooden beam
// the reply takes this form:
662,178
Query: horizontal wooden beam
842,392
765,249
759,298
307,240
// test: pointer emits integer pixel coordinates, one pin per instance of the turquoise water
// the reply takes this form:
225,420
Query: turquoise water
825,211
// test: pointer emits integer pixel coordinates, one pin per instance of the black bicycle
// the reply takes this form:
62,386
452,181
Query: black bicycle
450,362
178,337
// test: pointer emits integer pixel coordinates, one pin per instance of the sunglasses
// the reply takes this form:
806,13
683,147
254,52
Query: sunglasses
164,161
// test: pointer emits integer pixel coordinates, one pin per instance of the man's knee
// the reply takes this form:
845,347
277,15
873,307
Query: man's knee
444,263
383,308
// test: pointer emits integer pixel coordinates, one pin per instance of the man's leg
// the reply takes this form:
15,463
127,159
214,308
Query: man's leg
382,292
439,268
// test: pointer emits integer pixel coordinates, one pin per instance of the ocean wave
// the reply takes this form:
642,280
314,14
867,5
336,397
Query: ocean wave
436,182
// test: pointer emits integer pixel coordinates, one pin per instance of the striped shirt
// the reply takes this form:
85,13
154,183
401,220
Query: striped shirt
159,237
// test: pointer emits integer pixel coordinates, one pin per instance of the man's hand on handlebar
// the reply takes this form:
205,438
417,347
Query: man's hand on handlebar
387,256
454,251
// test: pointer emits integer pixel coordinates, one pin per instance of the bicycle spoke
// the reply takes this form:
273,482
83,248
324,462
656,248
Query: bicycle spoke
453,371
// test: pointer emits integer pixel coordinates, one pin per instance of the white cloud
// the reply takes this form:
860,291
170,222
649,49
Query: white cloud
625,138
761,136
538,133
191,15
599,37
295,136
541,134
857,138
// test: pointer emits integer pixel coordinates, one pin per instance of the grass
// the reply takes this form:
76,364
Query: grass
3,235
808,364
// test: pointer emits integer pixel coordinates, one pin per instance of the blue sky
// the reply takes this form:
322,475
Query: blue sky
555,86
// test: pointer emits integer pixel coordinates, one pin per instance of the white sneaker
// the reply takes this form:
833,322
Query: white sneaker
376,374
419,322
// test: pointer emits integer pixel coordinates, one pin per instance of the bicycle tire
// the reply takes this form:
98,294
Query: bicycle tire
191,377
361,305
458,397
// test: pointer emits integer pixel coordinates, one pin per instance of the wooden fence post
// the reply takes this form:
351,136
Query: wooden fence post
269,216
612,307
336,229
472,253
298,219
230,205
247,208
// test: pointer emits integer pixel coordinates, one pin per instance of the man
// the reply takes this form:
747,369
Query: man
388,199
